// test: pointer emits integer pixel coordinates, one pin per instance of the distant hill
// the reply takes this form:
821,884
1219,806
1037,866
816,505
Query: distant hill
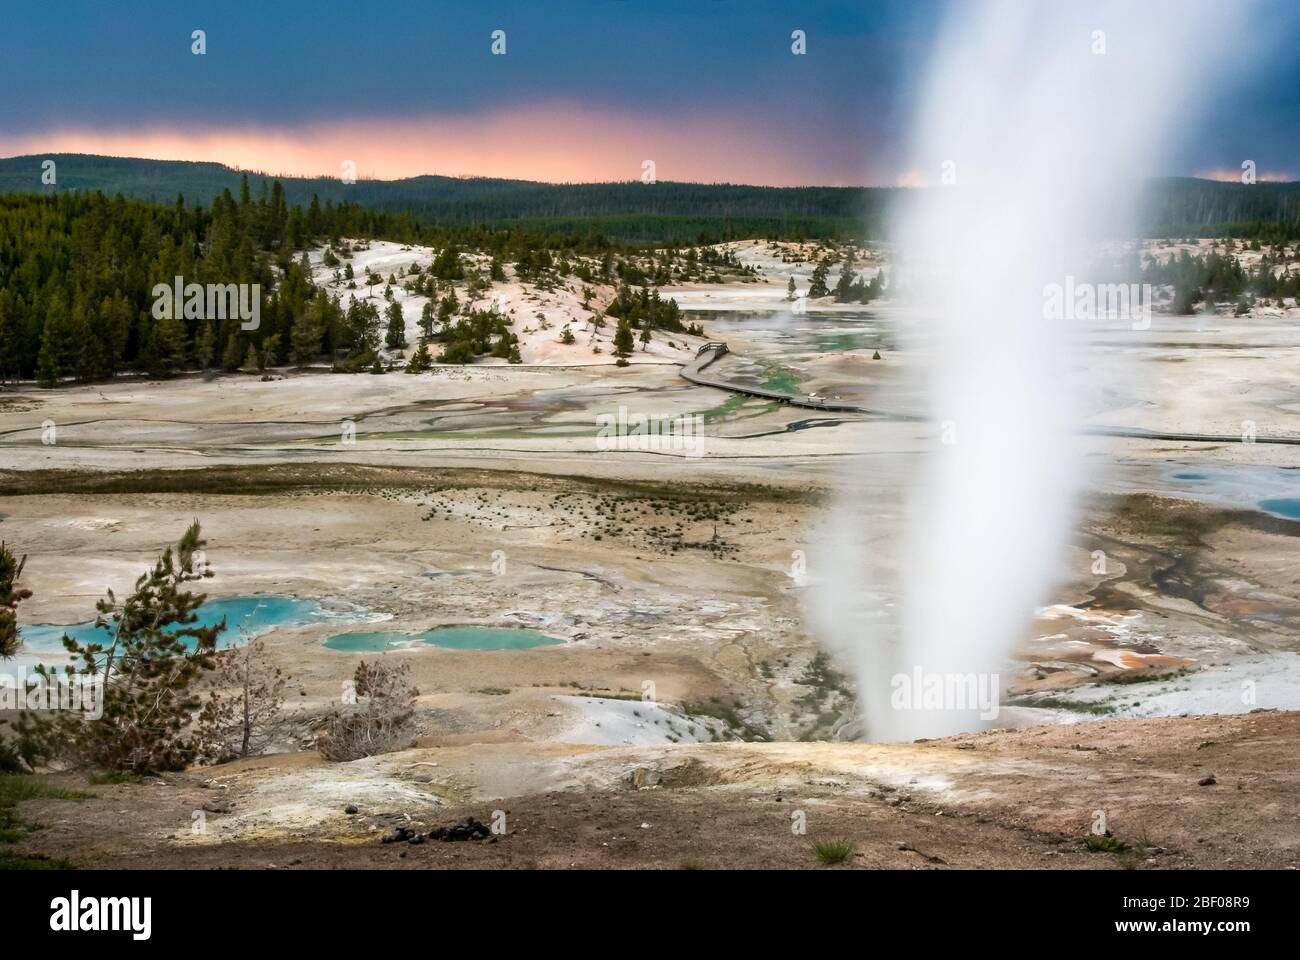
1184,205
630,211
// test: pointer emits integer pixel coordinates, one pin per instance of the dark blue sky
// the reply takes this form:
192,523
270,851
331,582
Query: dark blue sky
836,113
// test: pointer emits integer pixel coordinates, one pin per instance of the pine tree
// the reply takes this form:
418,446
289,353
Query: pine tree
58,344
363,326
818,287
304,338
11,568
115,322
420,361
447,265
450,304
252,359
844,288
205,350
428,315
623,342
148,666
504,345
871,289
88,363
10,337
395,336
314,219
231,357
790,291
165,348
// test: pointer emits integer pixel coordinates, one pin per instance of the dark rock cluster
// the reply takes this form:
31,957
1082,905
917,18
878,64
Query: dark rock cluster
467,829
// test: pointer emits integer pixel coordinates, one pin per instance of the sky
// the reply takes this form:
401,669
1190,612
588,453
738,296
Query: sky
707,90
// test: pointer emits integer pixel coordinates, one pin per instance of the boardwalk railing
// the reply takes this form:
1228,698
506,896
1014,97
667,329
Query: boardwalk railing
714,350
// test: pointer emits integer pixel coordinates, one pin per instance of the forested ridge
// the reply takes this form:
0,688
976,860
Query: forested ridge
634,211
78,271
631,211
1186,207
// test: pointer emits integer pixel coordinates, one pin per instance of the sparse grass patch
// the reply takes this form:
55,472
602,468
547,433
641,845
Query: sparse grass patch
727,712
609,694
1143,676
14,788
115,777
33,861
833,851
1127,855
1061,703
1104,844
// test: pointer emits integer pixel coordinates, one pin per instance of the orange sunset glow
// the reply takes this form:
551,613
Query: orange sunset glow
554,142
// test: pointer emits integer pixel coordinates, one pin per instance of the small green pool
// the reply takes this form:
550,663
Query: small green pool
455,638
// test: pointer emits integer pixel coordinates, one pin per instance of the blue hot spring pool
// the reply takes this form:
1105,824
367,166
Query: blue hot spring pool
246,618
1274,490
455,638
1288,507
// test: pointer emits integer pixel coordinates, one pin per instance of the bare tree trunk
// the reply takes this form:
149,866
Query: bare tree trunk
248,720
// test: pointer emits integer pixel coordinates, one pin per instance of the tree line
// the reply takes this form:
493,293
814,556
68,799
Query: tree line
636,212
78,272
1216,277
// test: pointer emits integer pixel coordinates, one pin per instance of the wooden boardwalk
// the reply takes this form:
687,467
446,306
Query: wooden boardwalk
715,350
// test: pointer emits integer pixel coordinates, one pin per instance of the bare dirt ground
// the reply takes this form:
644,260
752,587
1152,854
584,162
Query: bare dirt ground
1026,798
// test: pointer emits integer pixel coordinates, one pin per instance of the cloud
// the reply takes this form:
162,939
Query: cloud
911,178
1233,175
551,141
